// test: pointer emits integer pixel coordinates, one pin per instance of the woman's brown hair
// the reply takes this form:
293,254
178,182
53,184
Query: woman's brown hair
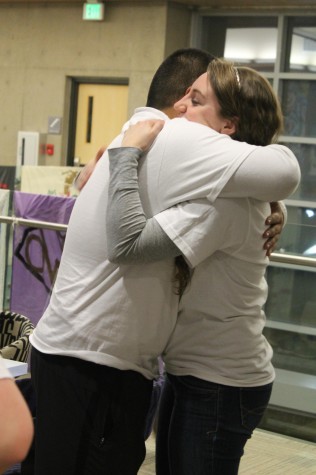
246,97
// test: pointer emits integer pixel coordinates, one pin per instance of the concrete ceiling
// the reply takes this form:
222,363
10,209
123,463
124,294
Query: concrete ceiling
213,4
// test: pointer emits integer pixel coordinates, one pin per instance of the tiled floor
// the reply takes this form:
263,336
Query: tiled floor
266,454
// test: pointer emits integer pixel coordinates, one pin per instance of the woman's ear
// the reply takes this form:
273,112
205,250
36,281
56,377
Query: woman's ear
229,126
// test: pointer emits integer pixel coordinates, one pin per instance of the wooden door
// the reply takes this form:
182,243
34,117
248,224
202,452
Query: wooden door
101,112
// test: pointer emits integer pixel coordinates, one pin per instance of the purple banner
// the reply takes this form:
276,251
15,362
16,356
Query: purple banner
37,252
4,208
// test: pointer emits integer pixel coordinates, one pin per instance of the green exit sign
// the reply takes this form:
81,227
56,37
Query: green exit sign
93,11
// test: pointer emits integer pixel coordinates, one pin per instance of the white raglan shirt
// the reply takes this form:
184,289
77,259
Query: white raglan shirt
122,316
218,336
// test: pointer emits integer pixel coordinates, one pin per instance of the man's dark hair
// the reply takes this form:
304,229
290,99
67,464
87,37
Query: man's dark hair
175,75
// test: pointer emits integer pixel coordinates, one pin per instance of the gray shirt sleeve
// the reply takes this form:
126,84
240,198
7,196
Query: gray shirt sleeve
131,237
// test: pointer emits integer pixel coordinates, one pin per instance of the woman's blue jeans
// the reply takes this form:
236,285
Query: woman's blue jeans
203,427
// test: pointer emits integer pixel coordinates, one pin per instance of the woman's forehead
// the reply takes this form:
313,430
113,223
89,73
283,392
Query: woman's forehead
201,81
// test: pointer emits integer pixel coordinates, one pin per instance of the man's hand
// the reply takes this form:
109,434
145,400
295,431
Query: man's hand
275,222
84,175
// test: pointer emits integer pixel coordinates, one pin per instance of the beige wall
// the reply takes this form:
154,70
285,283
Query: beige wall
178,28
41,45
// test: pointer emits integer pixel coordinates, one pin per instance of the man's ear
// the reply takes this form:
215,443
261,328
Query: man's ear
229,126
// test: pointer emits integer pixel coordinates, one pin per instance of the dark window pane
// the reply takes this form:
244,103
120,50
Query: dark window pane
293,351
306,155
299,105
292,297
299,234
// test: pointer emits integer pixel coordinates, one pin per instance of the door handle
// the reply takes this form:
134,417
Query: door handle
89,119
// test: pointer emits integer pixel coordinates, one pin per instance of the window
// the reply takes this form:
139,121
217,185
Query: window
301,45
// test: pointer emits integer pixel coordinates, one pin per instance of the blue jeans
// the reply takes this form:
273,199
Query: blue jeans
203,427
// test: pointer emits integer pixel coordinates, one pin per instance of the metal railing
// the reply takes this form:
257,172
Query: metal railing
293,259
33,223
